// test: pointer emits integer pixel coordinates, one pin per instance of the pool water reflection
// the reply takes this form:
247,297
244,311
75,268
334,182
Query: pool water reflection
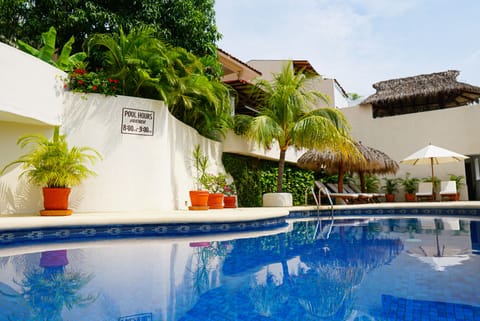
357,269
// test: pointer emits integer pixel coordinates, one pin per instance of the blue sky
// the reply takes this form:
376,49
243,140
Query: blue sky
358,42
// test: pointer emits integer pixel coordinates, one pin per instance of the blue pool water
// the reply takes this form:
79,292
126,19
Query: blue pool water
360,269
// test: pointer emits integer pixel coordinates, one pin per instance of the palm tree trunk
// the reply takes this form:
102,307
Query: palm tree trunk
363,188
281,170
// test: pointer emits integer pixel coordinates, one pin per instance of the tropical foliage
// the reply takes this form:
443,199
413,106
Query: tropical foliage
51,163
288,118
188,23
148,67
48,51
410,184
391,185
255,177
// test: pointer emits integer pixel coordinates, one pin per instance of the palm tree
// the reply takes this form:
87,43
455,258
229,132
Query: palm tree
195,98
288,117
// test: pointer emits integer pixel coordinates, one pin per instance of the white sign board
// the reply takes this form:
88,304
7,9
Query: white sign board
137,122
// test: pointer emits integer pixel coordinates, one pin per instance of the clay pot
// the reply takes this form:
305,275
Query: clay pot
199,200
55,198
230,201
390,197
409,197
215,200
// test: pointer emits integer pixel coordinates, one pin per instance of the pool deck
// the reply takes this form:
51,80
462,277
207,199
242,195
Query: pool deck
35,221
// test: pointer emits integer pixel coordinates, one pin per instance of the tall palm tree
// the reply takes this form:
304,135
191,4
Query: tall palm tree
288,117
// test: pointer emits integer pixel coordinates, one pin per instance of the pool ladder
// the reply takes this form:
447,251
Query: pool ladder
318,203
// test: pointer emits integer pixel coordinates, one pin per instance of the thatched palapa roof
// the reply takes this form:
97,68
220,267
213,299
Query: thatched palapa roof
374,161
421,93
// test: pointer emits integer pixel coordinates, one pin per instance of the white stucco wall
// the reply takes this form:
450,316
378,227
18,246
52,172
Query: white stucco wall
399,136
137,172
31,91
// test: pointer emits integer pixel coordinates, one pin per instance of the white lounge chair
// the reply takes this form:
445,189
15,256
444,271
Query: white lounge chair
425,192
448,190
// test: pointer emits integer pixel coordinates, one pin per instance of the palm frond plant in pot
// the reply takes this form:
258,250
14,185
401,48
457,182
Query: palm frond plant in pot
410,185
390,188
199,196
52,164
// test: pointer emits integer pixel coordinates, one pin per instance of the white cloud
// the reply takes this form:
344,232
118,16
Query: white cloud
359,42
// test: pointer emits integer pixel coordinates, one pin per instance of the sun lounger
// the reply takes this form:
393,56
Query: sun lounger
371,197
448,190
346,197
425,192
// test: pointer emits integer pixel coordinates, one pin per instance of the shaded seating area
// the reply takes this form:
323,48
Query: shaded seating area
372,197
448,191
425,192
347,198
362,197
365,160
349,194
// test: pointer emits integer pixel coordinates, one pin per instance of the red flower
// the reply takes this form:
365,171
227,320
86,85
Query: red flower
65,86
115,81
79,71
110,80
95,87
80,82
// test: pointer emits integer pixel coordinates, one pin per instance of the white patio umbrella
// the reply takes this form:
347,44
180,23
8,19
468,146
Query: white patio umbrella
433,155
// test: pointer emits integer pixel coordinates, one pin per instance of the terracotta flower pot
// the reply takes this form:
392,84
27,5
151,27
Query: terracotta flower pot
199,200
409,197
215,200
55,198
390,197
230,201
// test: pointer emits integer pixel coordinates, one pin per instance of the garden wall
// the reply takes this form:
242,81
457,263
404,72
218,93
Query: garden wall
146,170
146,166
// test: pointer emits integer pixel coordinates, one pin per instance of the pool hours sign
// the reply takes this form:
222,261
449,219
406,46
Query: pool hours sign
137,122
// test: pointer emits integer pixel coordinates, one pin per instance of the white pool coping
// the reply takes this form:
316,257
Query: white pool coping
245,214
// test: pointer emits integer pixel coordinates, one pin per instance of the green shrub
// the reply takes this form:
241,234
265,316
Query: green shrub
254,177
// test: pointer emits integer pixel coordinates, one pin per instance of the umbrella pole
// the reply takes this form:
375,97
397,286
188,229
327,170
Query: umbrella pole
433,179
340,177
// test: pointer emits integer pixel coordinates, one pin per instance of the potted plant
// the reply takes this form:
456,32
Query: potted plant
436,182
215,185
53,165
390,188
458,183
199,196
410,186
230,196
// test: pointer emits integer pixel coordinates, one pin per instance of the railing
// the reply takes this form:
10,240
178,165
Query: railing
318,203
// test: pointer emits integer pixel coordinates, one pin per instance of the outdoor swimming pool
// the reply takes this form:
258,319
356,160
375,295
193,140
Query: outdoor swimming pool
346,269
